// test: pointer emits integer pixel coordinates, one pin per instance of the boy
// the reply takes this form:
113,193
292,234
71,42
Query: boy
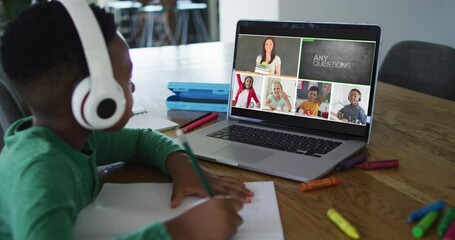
311,106
48,164
353,112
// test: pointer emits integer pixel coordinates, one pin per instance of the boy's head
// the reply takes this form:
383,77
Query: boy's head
354,96
313,93
43,57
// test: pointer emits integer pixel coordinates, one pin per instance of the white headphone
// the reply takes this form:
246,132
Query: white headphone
98,101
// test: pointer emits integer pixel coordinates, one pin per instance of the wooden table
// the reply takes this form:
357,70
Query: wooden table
415,128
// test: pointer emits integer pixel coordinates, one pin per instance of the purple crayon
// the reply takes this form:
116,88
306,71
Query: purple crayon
380,164
347,164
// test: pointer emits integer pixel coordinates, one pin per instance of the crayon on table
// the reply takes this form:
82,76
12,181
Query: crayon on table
450,234
418,214
448,218
348,164
379,164
317,184
195,120
200,122
419,230
343,224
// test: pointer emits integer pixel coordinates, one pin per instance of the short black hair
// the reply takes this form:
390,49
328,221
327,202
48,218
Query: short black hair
355,90
314,88
43,39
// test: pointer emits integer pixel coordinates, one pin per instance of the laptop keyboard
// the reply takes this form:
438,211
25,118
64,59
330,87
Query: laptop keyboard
276,140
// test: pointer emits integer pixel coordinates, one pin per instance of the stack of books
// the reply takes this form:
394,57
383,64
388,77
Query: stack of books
262,69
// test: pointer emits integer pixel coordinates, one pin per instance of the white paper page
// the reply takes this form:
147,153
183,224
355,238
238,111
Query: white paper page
123,208
150,120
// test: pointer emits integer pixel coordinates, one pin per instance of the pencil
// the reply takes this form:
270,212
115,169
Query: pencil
196,166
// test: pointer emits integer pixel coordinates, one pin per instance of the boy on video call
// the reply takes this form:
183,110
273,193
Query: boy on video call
311,106
48,164
353,112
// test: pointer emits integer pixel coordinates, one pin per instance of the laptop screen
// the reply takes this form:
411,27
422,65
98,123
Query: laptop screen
311,75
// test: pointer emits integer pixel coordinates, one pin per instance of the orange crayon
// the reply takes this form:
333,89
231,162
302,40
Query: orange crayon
317,184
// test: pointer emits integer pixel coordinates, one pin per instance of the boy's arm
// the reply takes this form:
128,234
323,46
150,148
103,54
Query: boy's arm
45,204
340,113
154,231
326,92
363,116
139,145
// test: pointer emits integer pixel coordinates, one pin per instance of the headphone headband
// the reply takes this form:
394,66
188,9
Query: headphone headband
98,101
92,40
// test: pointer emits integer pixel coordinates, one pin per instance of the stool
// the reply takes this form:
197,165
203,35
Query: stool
184,8
152,12
125,16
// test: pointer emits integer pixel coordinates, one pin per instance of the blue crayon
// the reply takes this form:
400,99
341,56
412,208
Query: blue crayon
350,163
418,214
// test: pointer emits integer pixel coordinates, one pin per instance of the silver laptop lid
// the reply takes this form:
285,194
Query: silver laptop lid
318,76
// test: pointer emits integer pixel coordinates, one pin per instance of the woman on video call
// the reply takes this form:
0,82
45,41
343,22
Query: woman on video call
268,58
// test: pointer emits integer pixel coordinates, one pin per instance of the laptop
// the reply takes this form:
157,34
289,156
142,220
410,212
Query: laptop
301,98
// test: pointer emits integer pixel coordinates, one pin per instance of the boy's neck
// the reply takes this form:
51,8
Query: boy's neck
67,129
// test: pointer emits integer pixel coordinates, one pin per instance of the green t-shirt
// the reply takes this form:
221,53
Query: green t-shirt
44,183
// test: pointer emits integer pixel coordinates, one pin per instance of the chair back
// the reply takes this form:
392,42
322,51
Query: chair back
11,109
421,66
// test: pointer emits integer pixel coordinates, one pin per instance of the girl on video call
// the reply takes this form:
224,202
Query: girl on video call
245,93
278,99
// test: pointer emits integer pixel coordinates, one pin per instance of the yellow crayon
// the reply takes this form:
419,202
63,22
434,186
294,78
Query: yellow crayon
342,223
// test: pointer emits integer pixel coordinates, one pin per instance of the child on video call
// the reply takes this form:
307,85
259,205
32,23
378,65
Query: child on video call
246,93
353,112
48,166
311,106
278,99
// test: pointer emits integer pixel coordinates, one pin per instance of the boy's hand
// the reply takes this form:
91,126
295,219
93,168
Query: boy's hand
186,182
214,219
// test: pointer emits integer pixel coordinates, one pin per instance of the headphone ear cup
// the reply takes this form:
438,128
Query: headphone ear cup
78,99
93,111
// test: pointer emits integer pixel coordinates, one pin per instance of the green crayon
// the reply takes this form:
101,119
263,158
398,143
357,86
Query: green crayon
424,224
446,221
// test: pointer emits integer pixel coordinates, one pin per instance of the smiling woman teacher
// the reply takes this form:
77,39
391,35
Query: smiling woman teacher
268,58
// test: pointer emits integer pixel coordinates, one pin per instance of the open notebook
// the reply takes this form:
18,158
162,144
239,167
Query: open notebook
145,119
123,208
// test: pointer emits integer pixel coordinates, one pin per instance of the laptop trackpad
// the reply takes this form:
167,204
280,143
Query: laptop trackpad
241,154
